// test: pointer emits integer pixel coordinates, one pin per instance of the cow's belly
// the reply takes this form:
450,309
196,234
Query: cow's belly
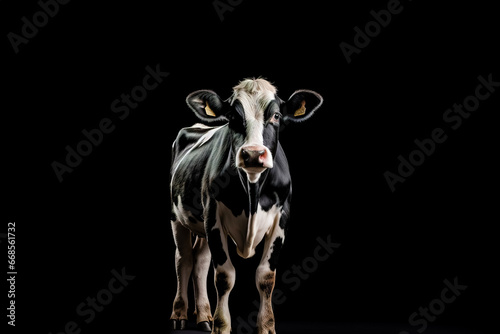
248,232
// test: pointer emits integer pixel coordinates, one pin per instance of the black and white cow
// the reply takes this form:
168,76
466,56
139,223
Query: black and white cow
231,180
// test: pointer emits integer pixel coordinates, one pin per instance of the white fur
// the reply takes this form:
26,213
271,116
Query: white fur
254,96
247,232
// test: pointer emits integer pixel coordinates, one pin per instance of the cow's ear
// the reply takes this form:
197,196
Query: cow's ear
302,105
207,105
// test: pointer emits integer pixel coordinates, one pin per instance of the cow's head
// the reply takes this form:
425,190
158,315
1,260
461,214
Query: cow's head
254,114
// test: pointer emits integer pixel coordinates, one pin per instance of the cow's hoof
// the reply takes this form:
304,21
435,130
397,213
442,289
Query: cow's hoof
178,324
204,326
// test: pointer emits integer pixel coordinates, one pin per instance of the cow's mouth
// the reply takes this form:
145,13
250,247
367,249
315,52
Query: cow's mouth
254,172
254,169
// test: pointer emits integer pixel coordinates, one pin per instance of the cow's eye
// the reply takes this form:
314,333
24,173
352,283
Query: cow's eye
276,117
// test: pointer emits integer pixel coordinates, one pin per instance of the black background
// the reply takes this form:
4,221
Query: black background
112,211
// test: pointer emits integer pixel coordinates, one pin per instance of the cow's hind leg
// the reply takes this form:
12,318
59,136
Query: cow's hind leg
201,257
265,278
183,267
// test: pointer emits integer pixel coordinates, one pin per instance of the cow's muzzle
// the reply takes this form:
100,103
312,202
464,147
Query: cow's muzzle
254,158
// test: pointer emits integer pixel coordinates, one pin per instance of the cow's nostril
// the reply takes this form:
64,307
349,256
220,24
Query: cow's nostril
260,152
245,155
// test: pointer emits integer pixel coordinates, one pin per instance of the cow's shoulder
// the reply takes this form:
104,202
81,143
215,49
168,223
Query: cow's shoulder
189,136
194,150
194,138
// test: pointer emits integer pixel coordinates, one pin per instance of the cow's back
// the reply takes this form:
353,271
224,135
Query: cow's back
186,139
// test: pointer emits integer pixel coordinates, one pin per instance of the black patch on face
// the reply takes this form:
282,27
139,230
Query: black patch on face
192,220
271,127
273,259
219,257
237,127
270,137
236,117
271,109
222,284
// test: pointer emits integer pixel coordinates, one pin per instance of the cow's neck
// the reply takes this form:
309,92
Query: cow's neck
253,197
253,190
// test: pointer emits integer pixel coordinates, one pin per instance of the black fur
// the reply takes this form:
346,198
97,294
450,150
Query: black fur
273,259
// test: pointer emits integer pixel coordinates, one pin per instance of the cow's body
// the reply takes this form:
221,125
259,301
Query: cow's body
229,180
245,219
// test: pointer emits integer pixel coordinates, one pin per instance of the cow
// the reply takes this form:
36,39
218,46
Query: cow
230,177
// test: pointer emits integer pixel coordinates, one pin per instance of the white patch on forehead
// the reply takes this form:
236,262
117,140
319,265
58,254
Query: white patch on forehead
254,96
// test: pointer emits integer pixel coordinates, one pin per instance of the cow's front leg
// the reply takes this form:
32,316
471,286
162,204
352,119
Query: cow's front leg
224,282
265,278
224,270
